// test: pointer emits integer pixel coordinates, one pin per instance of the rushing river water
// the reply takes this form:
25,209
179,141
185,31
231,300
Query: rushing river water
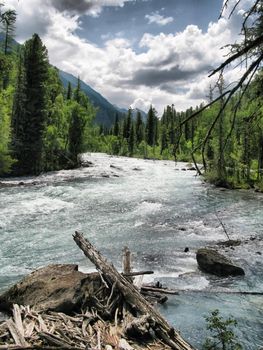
154,208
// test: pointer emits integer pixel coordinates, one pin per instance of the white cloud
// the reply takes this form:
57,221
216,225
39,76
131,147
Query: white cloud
155,17
173,67
142,104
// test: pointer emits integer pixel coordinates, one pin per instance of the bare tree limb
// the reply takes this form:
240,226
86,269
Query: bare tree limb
253,44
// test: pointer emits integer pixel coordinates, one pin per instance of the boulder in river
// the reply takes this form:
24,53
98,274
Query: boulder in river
60,288
209,260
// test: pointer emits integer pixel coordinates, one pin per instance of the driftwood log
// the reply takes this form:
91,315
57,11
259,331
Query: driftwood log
132,295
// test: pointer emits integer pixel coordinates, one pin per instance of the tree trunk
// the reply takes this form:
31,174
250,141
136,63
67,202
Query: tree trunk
132,295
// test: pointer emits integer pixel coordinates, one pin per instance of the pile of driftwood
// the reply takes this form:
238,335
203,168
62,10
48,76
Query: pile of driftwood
117,316
29,329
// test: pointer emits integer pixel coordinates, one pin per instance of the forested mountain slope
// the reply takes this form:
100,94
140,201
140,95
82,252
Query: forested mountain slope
105,111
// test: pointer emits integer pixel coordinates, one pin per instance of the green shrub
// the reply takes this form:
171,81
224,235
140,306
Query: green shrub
222,334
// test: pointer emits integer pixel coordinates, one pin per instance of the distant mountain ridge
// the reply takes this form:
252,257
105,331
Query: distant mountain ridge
107,112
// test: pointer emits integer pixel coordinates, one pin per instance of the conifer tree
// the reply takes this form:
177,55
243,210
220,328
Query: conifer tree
128,123
126,126
164,141
77,92
76,128
30,108
116,127
150,127
7,20
139,128
131,140
69,91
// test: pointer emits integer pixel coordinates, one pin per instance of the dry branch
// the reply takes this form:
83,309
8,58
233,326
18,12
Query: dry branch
132,295
159,290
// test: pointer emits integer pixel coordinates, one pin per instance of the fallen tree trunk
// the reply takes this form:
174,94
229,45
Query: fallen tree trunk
159,290
138,273
132,295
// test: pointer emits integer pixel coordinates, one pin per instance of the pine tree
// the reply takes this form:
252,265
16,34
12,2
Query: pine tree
76,128
128,123
80,121
7,20
139,128
69,91
164,142
150,127
30,108
77,92
126,126
131,140
116,127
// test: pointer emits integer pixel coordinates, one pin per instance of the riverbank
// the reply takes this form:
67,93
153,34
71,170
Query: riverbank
101,165
94,165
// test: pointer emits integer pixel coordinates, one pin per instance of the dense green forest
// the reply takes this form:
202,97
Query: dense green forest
44,126
233,154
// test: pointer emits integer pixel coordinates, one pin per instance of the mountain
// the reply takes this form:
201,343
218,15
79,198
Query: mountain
106,111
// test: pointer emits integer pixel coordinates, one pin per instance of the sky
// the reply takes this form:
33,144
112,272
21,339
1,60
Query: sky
135,52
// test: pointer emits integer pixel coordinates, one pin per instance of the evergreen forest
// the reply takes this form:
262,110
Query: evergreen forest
45,126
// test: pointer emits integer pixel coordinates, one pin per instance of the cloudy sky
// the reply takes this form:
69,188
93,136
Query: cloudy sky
134,52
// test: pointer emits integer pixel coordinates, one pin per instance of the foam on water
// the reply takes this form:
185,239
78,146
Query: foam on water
146,208
156,211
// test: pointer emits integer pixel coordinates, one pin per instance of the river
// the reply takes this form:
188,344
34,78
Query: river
156,209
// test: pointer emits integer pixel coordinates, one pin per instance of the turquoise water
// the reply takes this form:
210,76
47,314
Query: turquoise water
154,208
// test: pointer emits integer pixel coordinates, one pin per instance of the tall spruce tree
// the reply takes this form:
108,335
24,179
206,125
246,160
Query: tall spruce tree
116,127
30,108
76,128
131,140
150,127
139,128
77,91
69,91
128,123
164,141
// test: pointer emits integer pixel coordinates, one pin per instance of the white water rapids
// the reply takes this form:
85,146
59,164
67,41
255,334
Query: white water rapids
154,208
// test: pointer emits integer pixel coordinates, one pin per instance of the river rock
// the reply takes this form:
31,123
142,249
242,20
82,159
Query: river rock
60,288
211,261
230,243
